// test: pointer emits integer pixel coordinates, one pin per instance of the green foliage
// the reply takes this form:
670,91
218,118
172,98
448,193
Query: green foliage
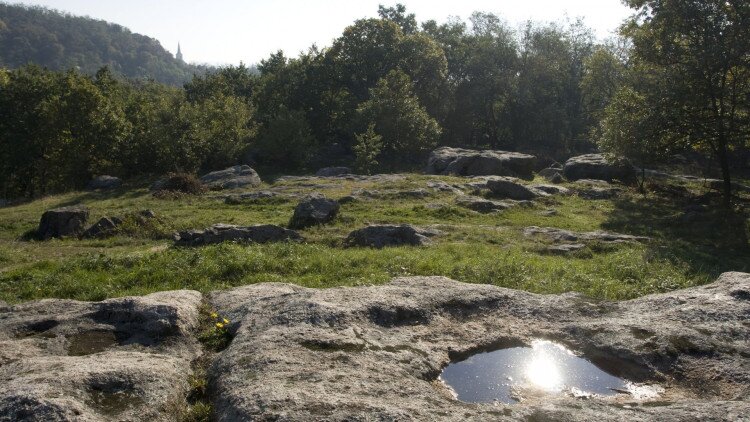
691,68
407,130
285,140
369,145
61,41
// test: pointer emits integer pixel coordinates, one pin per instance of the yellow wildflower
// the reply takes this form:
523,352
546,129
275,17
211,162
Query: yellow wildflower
219,325
226,321
214,315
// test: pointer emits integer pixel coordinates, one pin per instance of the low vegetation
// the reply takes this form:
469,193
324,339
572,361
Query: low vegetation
473,247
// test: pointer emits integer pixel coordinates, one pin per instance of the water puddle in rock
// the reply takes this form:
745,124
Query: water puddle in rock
547,368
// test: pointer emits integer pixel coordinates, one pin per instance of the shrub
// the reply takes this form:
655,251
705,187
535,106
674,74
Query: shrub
183,183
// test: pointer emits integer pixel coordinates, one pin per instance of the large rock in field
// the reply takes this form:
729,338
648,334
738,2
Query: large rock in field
333,171
104,183
598,167
560,235
232,177
376,352
314,210
383,235
63,222
465,162
106,226
484,206
219,233
125,359
505,187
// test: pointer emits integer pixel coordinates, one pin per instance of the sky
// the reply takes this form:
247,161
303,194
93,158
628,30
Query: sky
221,32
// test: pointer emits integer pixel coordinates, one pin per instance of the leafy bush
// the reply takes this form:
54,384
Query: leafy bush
183,183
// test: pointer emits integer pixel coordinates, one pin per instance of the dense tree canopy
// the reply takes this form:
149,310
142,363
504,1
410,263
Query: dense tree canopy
383,94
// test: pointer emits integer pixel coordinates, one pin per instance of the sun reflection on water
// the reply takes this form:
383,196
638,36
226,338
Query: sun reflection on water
542,371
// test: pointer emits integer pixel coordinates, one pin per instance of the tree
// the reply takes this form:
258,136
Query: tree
366,150
407,129
701,52
398,15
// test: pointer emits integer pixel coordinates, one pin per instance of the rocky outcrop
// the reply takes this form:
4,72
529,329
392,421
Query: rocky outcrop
104,183
552,174
313,211
550,189
121,359
465,162
597,166
333,171
106,226
380,236
567,236
509,188
219,233
375,353
486,206
231,178
63,222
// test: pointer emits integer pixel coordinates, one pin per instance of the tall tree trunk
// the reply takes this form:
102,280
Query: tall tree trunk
725,175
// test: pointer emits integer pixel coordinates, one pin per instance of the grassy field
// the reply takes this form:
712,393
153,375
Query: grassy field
473,247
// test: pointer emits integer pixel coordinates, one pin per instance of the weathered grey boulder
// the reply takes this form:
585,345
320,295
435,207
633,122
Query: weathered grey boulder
380,236
482,205
231,178
443,187
375,352
597,166
63,222
125,359
550,189
333,171
465,162
567,236
511,189
314,210
104,183
219,233
106,226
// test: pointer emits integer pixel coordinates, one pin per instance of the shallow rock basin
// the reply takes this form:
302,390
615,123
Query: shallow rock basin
506,375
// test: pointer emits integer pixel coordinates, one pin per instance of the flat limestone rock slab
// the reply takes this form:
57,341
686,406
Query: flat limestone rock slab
122,359
375,352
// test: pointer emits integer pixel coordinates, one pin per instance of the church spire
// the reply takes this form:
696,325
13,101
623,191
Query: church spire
178,56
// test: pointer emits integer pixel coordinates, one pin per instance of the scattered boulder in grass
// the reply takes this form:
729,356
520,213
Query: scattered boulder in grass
333,171
465,162
314,210
63,222
567,236
219,233
106,226
551,189
507,187
484,206
231,178
552,174
104,183
597,166
380,236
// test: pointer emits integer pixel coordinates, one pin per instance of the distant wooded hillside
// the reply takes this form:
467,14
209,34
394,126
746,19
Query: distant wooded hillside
61,41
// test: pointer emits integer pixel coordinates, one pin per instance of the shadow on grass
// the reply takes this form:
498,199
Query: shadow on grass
706,241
